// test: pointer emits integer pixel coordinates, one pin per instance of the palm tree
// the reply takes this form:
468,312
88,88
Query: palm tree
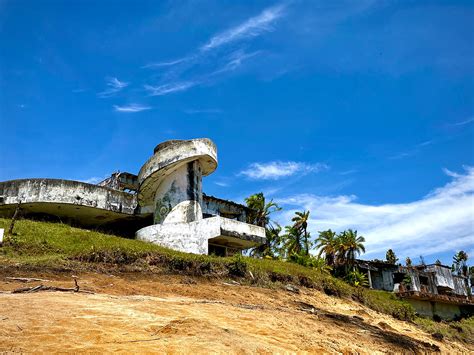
327,243
355,245
260,209
271,247
391,257
292,241
460,262
301,223
341,249
351,245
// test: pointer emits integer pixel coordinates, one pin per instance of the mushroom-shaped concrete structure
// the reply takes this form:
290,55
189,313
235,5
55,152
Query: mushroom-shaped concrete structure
171,188
171,180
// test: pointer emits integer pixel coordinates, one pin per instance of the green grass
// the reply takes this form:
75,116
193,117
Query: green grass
61,246
462,330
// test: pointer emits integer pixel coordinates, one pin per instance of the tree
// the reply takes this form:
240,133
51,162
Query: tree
301,224
260,209
460,262
259,214
408,261
293,239
391,257
327,244
422,260
352,245
271,247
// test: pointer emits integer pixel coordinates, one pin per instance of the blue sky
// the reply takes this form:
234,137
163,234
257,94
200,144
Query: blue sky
361,111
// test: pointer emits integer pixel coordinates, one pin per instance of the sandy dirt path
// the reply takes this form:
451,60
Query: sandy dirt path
174,314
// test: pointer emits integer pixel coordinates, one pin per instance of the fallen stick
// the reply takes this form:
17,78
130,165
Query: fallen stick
50,288
26,279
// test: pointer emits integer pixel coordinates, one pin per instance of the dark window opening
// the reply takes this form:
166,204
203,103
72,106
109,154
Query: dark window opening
398,277
424,280
217,250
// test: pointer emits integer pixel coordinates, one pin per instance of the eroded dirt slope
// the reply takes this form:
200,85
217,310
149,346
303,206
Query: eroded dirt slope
174,314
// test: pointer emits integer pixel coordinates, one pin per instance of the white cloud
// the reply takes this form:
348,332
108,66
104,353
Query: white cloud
442,221
165,64
465,122
131,108
235,60
253,27
170,88
278,169
114,85
172,79
93,180
221,183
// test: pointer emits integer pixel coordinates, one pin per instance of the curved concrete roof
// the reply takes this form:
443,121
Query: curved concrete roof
170,155
88,203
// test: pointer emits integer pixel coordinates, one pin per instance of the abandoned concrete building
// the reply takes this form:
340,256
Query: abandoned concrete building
163,204
433,290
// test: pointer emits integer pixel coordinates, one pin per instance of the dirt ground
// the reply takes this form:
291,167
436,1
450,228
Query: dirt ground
178,314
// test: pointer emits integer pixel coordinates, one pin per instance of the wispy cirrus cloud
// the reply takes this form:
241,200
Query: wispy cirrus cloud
235,60
441,221
462,123
414,151
276,170
114,85
207,68
252,27
131,108
221,183
169,88
164,64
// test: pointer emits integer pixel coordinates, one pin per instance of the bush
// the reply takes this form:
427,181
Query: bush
238,267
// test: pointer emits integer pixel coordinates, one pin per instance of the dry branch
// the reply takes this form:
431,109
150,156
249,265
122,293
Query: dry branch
50,288
26,279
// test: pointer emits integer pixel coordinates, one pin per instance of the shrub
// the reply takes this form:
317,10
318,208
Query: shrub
238,267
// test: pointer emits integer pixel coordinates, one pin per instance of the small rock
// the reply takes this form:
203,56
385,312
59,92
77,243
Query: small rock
292,288
384,326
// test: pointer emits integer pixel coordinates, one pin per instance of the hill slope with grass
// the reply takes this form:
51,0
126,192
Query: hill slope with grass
238,291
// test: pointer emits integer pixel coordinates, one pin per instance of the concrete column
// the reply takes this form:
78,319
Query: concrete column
370,278
178,198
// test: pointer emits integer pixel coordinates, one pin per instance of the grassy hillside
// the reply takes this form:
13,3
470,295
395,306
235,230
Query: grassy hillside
62,247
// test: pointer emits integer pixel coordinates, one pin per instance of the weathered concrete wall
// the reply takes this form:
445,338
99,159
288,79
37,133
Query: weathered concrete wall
446,311
460,287
217,207
424,308
382,280
193,237
443,276
29,191
179,196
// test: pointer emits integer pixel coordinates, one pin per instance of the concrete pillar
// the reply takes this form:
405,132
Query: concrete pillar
178,198
369,277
